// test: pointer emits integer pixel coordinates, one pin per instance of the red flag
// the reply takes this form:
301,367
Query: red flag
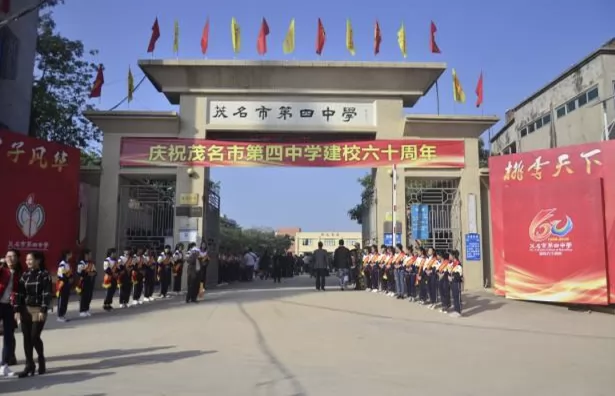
98,83
479,91
5,6
155,36
320,38
261,44
432,40
377,38
205,38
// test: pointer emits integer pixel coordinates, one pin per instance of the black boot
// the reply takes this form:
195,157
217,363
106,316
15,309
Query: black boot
42,366
27,371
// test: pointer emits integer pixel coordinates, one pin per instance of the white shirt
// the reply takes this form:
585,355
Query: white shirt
249,259
6,297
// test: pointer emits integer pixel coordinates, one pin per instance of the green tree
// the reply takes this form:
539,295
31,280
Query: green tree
236,239
62,83
367,198
483,154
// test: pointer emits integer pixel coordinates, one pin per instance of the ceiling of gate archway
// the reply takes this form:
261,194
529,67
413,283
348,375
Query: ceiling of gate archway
289,137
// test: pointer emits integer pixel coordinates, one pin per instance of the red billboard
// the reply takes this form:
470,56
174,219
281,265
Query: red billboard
553,224
39,203
195,152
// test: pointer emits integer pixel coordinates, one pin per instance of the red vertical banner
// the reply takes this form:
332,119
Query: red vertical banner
549,228
572,164
40,199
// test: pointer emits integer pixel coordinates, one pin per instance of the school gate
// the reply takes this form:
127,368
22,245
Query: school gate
154,186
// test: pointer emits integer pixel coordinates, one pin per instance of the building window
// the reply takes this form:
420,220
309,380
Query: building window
570,106
511,149
539,123
524,132
561,111
306,242
9,54
592,94
582,99
546,119
329,242
531,128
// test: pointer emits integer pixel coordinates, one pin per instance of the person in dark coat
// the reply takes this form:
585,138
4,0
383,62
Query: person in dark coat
342,261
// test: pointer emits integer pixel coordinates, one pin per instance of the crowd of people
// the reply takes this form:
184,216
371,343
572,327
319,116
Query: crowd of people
417,274
27,292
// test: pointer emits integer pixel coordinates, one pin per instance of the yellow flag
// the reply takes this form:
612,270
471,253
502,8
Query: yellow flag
458,93
349,38
401,40
289,40
235,35
131,85
176,38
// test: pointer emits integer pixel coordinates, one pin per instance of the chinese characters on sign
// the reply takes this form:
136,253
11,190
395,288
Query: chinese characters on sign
174,152
564,164
551,248
36,156
275,113
30,245
473,247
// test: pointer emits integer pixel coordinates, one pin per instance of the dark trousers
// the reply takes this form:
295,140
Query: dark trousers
165,278
125,288
193,287
177,282
433,288
8,327
31,331
391,281
320,274
445,292
456,294
137,288
249,273
367,272
203,275
110,293
423,287
277,274
149,281
411,283
375,277
87,292
63,297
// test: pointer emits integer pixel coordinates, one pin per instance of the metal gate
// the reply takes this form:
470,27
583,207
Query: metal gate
444,207
146,213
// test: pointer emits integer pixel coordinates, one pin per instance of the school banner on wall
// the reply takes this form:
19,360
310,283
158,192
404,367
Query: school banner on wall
534,170
40,198
189,152
548,229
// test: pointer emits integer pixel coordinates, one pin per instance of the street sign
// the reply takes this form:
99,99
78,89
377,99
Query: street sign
473,247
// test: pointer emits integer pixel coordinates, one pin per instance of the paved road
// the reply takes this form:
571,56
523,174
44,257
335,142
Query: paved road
266,340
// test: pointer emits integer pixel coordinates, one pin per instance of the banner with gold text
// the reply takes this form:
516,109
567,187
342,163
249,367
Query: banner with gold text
214,153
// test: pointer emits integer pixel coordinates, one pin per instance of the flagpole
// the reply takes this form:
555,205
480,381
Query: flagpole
437,98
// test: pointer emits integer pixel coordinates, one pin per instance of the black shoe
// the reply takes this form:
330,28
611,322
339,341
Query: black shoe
42,366
27,371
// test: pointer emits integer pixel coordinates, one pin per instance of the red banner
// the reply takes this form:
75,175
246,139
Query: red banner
535,170
549,229
210,153
40,198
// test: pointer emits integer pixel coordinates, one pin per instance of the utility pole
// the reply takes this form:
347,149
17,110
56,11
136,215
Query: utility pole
605,119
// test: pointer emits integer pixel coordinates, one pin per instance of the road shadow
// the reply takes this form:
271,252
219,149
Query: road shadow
287,375
106,353
475,304
131,361
44,382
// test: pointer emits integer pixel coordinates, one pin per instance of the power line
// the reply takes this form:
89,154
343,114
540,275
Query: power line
20,14
121,102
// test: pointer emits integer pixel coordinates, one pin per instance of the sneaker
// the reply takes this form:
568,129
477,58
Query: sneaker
368,289
455,314
88,313
62,319
140,302
5,371
83,314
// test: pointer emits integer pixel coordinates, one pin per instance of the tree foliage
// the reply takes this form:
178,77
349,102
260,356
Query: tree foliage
233,238
367,198
483,154
62,82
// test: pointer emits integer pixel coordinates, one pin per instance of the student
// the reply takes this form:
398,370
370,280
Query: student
164,270
178,268
110,267
444,283
9,281
63,283
409,272
86,270
456,279
125,274
400,272
193,272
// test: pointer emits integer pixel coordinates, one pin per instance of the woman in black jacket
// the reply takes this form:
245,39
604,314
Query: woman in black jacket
31,304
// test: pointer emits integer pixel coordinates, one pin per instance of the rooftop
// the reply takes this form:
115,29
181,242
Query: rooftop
405,80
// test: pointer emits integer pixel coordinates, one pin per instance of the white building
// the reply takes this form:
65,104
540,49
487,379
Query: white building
307,242
17,51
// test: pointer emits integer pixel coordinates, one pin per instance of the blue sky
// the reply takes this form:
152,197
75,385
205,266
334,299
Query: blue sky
519,45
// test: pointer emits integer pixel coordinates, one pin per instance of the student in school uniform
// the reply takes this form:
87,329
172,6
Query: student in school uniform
443,282
456,279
